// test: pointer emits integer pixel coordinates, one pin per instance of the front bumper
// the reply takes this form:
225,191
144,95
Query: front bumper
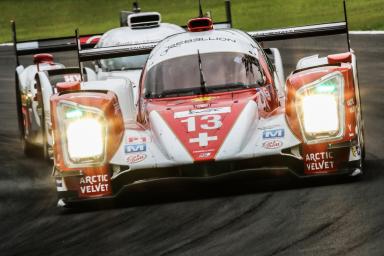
206,172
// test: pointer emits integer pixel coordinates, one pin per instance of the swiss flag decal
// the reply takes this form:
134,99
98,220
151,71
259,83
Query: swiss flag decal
203,131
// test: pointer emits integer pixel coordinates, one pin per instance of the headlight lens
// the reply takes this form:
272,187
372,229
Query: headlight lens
84,133
320,114
320,108
85,139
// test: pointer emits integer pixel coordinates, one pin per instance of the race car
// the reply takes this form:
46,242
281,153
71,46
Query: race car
210,102
36,83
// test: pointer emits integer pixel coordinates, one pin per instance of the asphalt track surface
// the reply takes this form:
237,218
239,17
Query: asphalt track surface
252,215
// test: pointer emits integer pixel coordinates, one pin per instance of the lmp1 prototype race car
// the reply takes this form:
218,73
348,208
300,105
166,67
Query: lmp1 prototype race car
36,83
211,102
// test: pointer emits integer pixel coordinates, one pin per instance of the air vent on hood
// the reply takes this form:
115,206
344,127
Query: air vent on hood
144,20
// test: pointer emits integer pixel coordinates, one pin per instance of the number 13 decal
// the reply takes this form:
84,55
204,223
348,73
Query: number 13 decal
212,122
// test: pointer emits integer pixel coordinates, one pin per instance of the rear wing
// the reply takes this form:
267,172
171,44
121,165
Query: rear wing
115,51
136,49
69,43
325,29
96,54
58,44
300,32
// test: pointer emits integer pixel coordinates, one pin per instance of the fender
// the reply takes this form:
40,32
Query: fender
47,91
334,148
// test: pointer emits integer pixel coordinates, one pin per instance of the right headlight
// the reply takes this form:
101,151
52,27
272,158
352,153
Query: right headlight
84,134
320,109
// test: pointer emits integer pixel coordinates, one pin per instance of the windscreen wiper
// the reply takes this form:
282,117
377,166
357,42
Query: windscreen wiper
202,80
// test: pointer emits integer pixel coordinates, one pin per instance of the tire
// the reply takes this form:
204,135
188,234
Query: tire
28,148
20,121
44,151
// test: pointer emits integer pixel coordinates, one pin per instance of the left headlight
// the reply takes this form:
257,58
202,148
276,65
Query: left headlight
83,131
320,109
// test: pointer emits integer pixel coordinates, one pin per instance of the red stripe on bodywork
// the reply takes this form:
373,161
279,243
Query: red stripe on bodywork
203,134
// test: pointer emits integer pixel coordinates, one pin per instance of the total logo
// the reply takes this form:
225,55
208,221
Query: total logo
273,144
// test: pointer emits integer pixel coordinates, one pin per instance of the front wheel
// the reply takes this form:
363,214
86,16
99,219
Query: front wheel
44,150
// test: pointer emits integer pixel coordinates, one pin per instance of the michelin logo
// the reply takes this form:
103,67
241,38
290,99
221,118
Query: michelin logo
273,134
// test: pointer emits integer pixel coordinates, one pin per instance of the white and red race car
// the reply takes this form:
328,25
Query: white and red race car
210,102
36,83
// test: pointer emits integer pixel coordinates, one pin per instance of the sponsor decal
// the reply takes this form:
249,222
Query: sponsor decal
72,77
137,139
318,162
356,151
200,106
136,144
133,159
205,155
135,148
116,106
203,151
272,144
350,102
93,185
198,39
273,133
60,184
203,98
202,112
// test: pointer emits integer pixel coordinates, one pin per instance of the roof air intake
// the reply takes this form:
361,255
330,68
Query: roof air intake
200,24
144,20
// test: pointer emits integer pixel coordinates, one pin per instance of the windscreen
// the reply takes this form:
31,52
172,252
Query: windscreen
214,72
124,63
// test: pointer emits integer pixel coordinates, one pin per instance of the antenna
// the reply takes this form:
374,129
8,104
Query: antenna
200,10
135,7
228,11
14,38
203,83
346,22
78,46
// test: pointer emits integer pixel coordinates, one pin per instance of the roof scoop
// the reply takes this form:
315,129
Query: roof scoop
144,20
42,58
200,24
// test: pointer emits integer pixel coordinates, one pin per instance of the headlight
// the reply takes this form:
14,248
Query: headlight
85,139
320,108
83,131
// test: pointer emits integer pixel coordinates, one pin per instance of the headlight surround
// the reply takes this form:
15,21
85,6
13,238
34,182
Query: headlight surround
83,134
320,109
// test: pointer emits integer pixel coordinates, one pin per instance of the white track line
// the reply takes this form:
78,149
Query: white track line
366,32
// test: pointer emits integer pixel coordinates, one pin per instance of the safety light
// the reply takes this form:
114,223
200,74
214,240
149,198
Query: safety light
320,108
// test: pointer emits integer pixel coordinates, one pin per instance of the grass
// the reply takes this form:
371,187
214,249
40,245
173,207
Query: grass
53,18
